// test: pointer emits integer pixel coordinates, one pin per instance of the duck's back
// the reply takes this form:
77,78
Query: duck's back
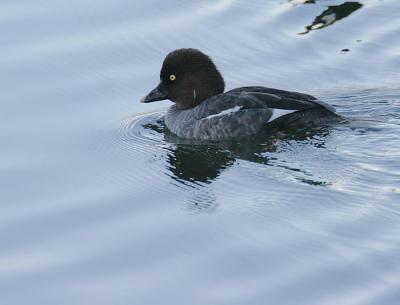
245,111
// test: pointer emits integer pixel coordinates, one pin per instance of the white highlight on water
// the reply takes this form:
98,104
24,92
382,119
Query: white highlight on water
221,5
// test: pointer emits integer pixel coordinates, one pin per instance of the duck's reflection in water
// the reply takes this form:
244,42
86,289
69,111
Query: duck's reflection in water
332,14
199,163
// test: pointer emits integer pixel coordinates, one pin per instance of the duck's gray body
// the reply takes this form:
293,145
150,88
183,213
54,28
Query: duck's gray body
245,111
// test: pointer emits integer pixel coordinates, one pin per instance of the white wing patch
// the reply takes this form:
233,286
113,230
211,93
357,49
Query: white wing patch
276,113
224,112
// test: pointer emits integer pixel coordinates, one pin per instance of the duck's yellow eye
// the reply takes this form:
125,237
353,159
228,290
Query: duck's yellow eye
172,77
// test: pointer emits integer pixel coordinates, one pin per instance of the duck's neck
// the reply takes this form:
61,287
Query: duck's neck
200,89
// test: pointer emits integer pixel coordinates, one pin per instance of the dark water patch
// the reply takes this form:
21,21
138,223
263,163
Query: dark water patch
331,15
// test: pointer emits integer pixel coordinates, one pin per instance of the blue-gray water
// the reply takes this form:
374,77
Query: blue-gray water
97,206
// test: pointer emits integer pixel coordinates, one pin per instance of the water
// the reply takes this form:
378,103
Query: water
99,205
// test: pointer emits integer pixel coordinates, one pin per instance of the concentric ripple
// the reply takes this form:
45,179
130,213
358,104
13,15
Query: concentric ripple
143,130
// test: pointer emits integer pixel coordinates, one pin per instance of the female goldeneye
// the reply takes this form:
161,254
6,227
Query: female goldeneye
203,111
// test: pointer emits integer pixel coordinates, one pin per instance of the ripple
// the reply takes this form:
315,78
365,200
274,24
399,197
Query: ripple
143,132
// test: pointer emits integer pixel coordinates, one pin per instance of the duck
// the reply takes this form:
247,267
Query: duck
203,111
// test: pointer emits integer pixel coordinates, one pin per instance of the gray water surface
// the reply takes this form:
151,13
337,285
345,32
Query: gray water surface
100,205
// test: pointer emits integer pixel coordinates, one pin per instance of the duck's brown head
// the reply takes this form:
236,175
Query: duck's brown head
187,78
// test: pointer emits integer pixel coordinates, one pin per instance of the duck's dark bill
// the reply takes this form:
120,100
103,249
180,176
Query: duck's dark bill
157,94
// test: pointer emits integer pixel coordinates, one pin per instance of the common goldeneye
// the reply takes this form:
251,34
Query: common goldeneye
202,110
